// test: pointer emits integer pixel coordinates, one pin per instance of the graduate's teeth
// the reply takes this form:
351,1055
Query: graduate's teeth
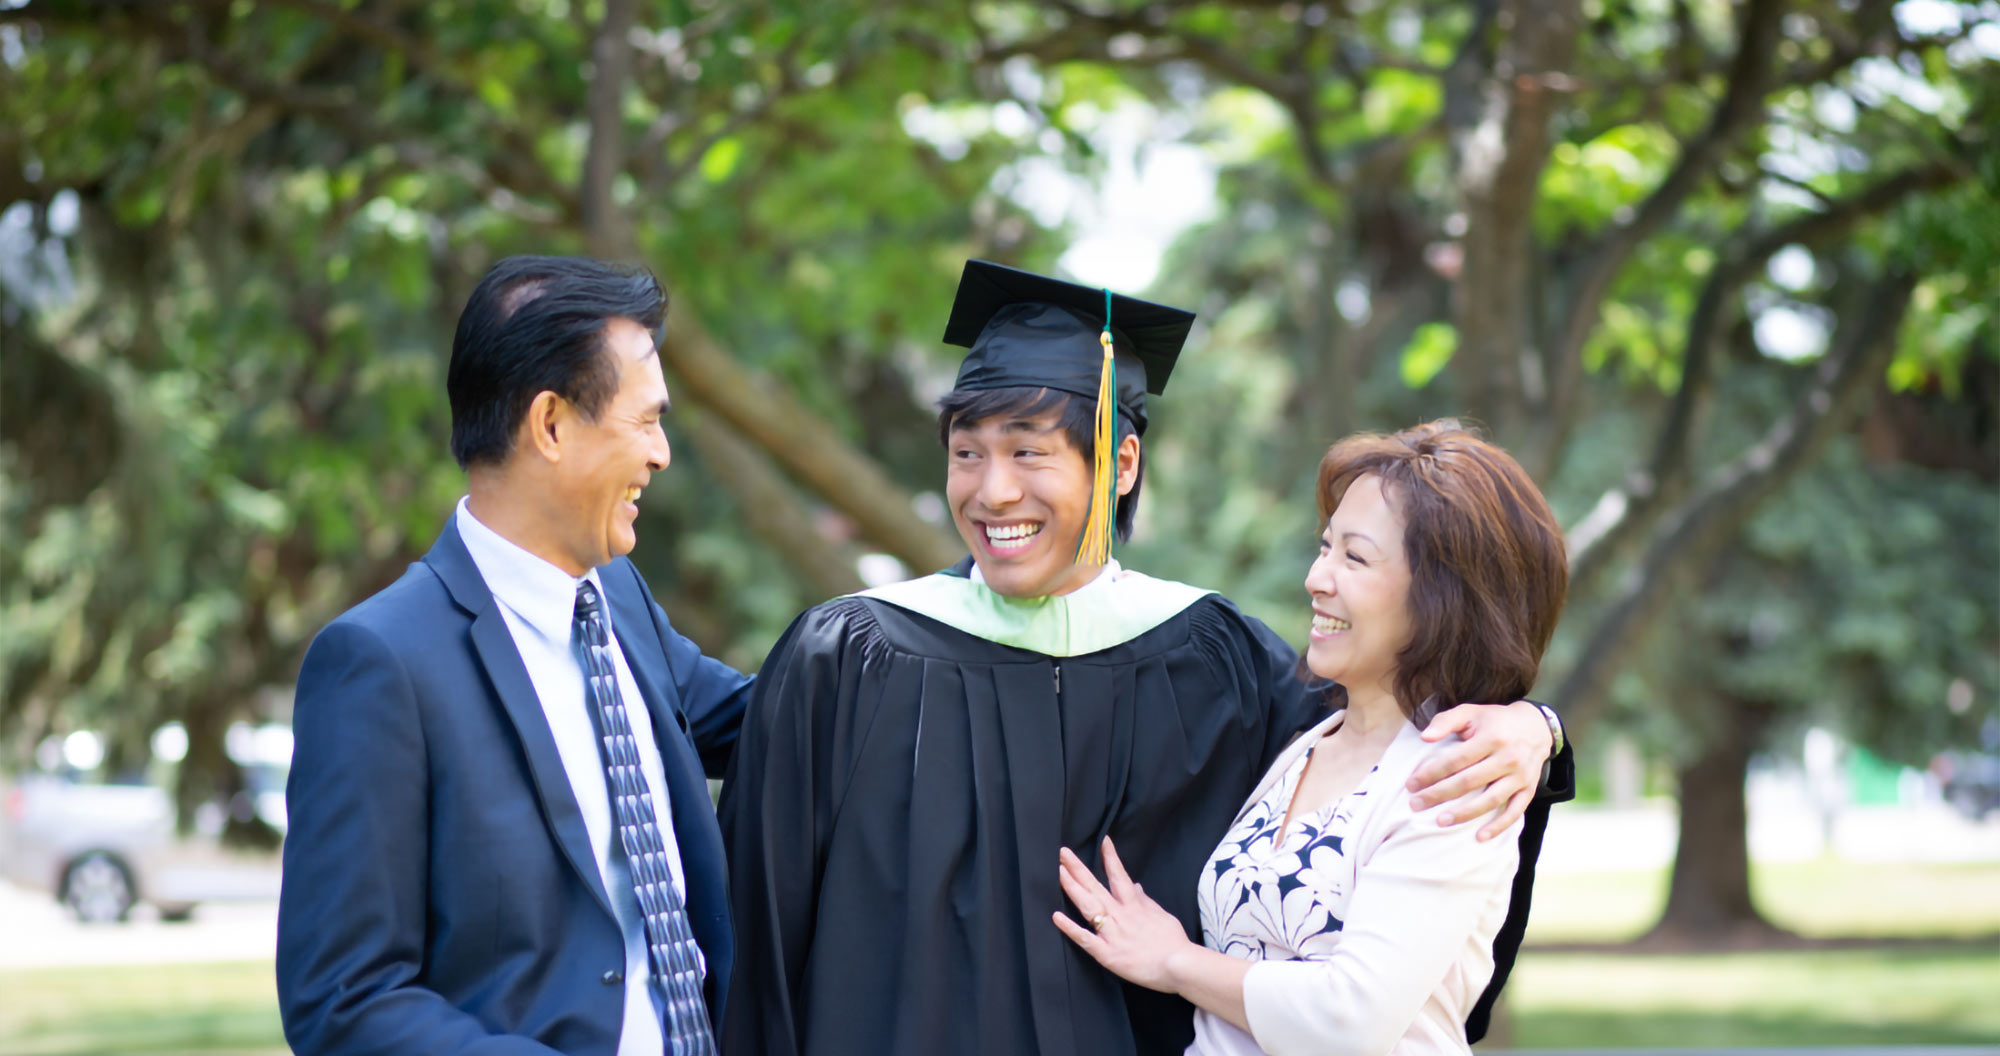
1011,534
632,495
1330,624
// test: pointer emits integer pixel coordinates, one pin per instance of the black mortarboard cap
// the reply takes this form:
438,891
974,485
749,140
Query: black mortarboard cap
1027,330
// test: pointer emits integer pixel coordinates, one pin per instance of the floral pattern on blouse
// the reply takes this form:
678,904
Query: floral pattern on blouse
1266,899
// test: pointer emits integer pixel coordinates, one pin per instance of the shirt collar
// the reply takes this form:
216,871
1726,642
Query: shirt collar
537,591
1104,579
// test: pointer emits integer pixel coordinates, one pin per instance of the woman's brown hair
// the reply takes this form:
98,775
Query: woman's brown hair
1488,571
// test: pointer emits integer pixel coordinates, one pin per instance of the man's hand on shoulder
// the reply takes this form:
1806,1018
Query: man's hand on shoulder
1497,768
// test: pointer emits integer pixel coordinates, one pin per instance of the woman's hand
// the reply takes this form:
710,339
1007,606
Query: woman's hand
1129,933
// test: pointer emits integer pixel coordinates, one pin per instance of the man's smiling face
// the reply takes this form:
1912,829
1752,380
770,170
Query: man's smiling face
1019,492
607,462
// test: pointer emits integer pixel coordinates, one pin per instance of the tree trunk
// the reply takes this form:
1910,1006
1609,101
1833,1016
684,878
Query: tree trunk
1326,400
606,228
1500,142
1708,898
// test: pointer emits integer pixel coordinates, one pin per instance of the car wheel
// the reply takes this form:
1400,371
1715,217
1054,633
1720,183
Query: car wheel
97,887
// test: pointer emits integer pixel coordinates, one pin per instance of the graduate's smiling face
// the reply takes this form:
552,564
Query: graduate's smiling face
1020,492
1360,587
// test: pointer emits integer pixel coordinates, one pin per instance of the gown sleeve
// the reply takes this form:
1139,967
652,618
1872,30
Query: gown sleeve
775,815
1558,787
1293,705
1559,778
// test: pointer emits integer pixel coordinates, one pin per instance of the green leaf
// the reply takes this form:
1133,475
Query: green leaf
1428,353
497,94
720,161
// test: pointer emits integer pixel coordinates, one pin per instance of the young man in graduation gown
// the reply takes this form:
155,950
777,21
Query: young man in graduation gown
915,755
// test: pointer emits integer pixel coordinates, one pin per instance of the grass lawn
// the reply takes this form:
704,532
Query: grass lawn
1922,996
1819,899
1905,995
1913,995
181,1008
1909,995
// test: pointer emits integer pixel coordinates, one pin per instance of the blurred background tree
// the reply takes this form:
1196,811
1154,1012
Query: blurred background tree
1721,274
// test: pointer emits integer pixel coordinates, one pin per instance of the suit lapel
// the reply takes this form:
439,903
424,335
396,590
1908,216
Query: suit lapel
645,655
495,645
632,621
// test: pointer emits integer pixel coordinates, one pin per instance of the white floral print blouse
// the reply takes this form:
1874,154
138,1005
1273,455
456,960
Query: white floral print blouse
1267,898
1371,926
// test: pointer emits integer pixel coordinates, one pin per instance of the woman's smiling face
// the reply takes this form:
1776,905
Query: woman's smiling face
1360,588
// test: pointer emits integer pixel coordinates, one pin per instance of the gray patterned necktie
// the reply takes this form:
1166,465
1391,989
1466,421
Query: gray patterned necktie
675,958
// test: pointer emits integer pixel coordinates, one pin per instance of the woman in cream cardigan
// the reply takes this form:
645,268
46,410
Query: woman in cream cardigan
1335,919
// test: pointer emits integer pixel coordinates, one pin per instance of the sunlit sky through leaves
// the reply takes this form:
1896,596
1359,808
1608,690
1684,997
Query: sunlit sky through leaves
1153,186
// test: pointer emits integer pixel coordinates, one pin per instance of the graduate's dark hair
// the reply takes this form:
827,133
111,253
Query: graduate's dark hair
534,325
1488,571
1076,418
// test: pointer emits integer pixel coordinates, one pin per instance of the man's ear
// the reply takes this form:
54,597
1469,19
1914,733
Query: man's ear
542,428
1128,463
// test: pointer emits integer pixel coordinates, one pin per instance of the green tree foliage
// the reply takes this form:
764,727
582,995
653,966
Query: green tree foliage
239,235
1847,605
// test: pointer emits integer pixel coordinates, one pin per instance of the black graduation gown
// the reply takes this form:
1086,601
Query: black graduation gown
899,793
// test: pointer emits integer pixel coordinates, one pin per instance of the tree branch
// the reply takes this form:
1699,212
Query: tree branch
508,174
1717,510
1629,510
772,511
660,174
1500,142
1295,91
1593,274
381,35
767,415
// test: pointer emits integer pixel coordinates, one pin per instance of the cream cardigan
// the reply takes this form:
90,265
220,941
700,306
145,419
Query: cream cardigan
1416,949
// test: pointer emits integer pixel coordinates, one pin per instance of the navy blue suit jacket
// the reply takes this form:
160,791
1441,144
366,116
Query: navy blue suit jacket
440,895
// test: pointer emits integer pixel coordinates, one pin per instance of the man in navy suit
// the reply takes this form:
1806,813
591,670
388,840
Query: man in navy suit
460,870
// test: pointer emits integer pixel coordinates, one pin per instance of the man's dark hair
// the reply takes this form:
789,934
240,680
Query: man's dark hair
1076,417
536,324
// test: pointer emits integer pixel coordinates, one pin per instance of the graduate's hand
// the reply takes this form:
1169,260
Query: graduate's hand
1135,938
1496,769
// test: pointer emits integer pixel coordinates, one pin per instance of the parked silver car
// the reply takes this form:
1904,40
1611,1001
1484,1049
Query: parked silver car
103,848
